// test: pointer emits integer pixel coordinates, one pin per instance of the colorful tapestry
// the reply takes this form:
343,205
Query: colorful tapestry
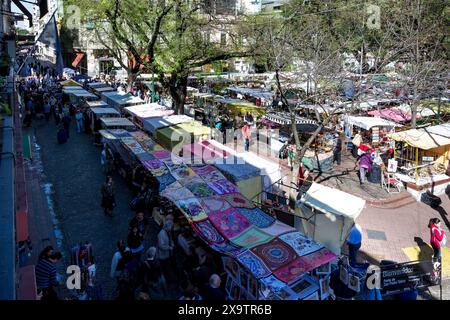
177,194
120,133
192,208
203,170
182,173
254,264
223,187
292,271
278,228
149,145
318,258
273,284
165,181
156,167
275,253
200,189
213,204
161,154
208,232
145,156
139,136
237,200
251,238
227,248
300,243
229,222
213,176
257,217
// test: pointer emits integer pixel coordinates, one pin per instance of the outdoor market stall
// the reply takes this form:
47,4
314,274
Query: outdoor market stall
245,176
70,83
151,125
176,136
327,215
206,151
97,113
142,112
373,130
97,104
263,258
120,101
117,123
423,158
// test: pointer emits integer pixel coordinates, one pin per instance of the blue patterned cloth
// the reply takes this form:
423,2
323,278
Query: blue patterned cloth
165,181
257,217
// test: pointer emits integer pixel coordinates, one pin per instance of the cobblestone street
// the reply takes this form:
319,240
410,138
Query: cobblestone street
74,175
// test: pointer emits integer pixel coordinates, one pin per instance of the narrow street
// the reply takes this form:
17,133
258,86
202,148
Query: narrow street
73,173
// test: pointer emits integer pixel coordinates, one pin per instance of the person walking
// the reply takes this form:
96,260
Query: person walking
47,110
337,149
437,237
108,197
79,119
116,266
66,120
246,136
135,241
45,271
212,291
165,244
354,243
365,165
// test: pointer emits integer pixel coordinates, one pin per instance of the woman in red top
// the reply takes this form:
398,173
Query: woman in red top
436,236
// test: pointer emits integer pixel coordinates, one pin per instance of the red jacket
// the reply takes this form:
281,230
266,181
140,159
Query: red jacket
436,236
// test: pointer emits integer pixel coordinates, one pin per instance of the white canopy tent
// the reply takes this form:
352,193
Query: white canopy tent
369,122
117,123
153,124
441,130
97,104
328,215
150,110
105,111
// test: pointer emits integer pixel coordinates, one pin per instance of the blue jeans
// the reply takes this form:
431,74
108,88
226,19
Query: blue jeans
247,144
352,253
79,125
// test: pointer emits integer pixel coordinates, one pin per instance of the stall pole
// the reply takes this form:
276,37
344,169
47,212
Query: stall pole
153,87
417,164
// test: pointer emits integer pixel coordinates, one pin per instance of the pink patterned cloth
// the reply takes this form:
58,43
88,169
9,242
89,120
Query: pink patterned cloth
230,222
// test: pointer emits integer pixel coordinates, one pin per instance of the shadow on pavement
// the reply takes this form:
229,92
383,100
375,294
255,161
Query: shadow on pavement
425,250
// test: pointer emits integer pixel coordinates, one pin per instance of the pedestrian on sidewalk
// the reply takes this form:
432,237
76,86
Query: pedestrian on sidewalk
437,237
165,244
365,165
338,149
135,241
246,136
108,197
66,120
45,270
79,119
354,243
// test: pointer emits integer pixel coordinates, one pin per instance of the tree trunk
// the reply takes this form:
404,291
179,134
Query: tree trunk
178,91
414,108
131,77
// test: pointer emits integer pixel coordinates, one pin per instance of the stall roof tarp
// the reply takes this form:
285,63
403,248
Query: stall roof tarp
104,89
70,83
237,168
194,129
333,201
97,104
420,138
101,111
422,111
97,85
119,122
268,168
153,124
207,150
393,114
150,110
83,94
442,130
257,93
369,122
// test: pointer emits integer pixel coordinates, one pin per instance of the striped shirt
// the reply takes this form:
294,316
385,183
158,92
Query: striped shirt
45,274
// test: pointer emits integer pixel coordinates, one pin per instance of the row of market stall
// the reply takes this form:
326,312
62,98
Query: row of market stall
264,258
